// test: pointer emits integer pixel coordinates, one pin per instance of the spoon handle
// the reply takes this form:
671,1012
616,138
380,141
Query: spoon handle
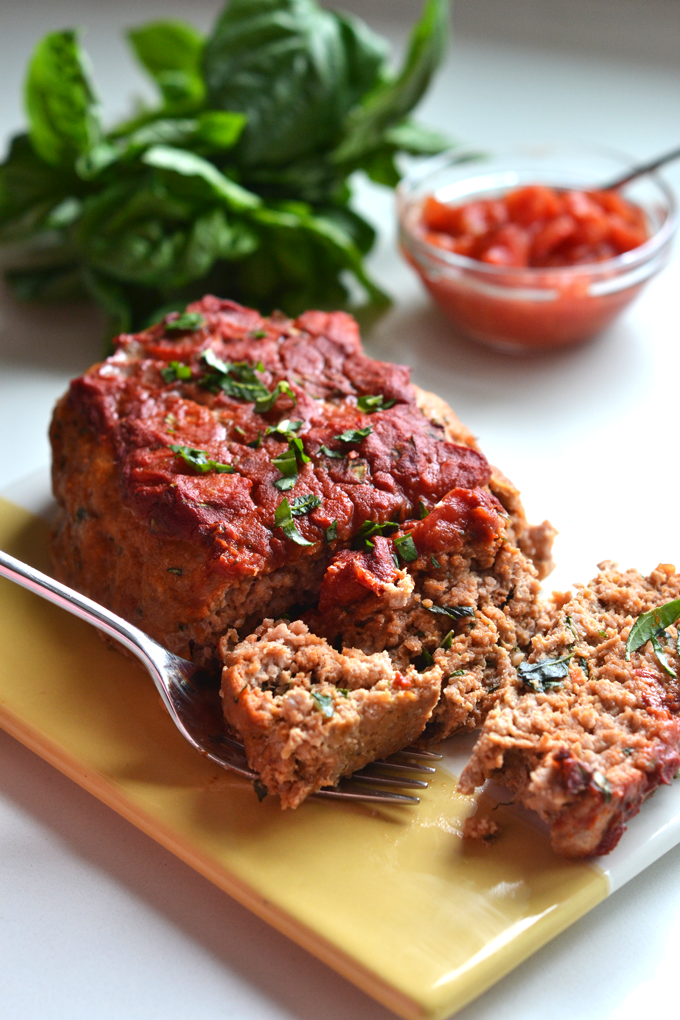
641,169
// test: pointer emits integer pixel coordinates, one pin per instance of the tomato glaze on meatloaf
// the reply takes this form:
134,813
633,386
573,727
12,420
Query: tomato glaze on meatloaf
187,543
586,750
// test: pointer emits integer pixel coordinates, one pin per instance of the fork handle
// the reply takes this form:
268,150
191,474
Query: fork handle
139,643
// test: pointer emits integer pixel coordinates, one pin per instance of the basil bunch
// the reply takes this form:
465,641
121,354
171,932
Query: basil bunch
236,182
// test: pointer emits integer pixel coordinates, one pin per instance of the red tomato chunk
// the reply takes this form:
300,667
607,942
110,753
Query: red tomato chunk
537,226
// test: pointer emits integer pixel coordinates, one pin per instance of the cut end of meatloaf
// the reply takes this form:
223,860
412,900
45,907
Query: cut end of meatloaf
188,544
585,752
309,714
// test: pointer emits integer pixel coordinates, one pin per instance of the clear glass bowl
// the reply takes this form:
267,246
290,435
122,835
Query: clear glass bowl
528,309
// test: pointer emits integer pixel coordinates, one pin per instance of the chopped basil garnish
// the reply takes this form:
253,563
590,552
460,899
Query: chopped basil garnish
175,570
324,703
175,370
434,561
332,531
255,444
283,518
651,626
287,463
260,789
455,612
199,460
457,672
239,431
406,548
335,454
354,435
259,334
423,512
541,676
185,321
345,691
583,663
266,401
235,378
368,404
304,504
283,429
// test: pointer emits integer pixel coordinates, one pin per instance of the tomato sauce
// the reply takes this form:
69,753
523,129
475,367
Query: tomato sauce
540,230
537,226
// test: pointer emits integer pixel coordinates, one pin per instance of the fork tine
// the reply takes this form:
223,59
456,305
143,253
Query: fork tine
376,797
402,766
369,777
416,752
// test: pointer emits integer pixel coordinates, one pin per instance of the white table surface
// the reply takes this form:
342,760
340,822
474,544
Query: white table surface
96,920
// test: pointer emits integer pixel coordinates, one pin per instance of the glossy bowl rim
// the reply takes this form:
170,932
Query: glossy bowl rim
532,274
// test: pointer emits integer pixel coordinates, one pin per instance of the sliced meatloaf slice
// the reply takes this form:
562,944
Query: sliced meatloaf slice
308,714
585,749
467,601
172,459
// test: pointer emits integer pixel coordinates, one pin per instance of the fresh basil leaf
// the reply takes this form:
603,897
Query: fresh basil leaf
304,505
447,640
255,444
206,180
367,404
434,561
324,703
199,460
220,129
389,103
406,548
407,136
354,435
265,403
332,531
659,652
646,625
113,298
176,370
235,378
423,512
30,191
295,444
185,321
294,69
542,676
381,168
171,52
60,102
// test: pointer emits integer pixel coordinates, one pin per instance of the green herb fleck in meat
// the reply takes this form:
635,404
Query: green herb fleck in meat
542,676
650,627
332,531
304,504
324,703
455,612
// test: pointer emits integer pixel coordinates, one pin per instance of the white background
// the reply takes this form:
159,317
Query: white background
96,920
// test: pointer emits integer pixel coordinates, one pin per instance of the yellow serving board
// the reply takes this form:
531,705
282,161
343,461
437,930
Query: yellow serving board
393,898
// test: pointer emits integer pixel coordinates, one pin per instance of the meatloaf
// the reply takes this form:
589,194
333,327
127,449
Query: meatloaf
209,470
585,741
309,714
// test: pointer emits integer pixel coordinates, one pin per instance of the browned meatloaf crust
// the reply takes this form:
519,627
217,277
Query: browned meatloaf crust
309,714
186,553
586,753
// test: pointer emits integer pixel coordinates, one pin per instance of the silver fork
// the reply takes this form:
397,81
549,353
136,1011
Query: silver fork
195,708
